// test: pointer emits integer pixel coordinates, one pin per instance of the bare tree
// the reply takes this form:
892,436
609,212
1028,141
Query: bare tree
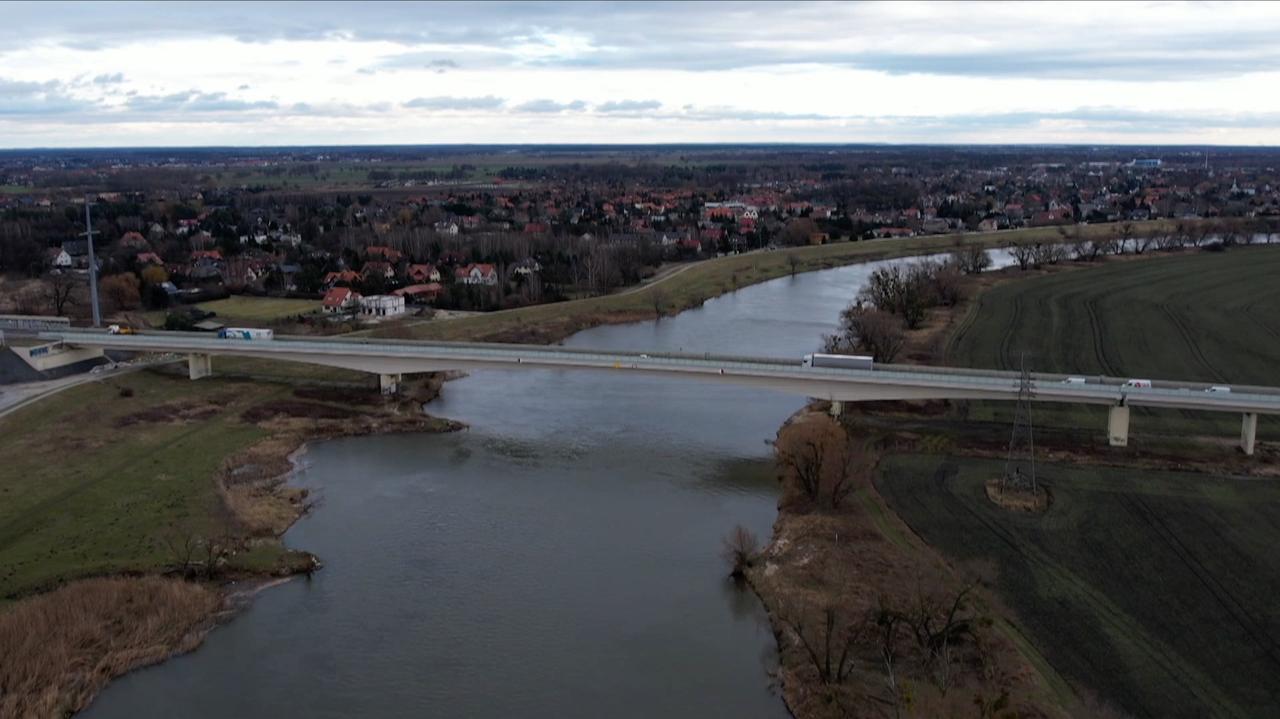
59,291
1024,255
971,258
868,329
819,462
658,298
830,647
740,550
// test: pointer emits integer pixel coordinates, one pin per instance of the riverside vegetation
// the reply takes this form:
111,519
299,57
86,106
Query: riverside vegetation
171,487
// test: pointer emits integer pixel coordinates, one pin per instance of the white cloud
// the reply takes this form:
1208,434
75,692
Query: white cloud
910,72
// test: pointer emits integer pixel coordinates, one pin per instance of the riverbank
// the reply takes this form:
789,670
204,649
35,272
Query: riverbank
711,278
870,620
131,502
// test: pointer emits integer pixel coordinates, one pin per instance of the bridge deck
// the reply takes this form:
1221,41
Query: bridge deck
784,374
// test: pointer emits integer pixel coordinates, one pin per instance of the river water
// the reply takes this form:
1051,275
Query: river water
559,558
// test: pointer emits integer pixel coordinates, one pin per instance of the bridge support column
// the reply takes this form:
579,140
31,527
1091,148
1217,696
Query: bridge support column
199,365
1118,426
837,408
1249,432
389,383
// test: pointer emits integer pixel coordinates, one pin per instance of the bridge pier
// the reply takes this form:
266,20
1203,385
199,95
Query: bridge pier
1118,426
389,383
1249,432
199,365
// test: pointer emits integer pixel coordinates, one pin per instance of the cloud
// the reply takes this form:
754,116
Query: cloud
628,106
488,102
546,106
19,98
193,101
109,79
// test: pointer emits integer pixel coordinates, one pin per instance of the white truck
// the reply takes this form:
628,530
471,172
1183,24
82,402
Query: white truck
838,361
244,333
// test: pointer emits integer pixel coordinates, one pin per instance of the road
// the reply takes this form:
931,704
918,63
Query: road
885,382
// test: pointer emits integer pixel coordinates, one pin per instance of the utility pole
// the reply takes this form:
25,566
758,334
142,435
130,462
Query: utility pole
89,232
1020,467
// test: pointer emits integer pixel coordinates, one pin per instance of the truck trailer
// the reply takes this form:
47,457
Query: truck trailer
244,333
838,361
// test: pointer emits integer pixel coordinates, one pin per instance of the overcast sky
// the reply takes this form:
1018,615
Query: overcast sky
214,73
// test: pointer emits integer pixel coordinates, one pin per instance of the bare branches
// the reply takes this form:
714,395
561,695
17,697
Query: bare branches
820,464
740,550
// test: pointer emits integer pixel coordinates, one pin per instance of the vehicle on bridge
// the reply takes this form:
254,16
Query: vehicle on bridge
1138,384
121,330
245,333
838,361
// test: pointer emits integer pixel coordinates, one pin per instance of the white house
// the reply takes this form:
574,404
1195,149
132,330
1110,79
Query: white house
382,306
477,274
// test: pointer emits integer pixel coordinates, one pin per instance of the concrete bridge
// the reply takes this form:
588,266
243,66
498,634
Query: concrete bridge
389,359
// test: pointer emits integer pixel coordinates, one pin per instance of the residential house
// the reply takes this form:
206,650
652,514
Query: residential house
332,279
382,306
423,273
134,240
376,267
476,274
145,259
527,266
60,259
386,253
340,299
421,293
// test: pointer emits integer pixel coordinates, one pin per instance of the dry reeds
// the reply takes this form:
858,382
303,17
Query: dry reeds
59,649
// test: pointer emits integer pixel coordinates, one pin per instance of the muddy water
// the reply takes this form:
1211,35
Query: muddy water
560,558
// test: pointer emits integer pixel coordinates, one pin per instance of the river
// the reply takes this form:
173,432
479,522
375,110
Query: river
559,558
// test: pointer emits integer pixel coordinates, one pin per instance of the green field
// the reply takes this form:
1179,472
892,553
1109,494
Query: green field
92,490
1209,317
1156,589
259,309
250,310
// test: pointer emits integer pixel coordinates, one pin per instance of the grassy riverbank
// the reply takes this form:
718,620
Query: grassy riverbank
147,474
705,280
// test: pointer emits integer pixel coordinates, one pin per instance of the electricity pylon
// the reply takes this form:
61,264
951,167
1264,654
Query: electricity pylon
1020,466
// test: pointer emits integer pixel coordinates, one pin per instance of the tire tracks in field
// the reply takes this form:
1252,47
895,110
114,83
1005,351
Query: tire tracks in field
1099,342
1189,340
1004,361
1252,626
1248,311
1096,603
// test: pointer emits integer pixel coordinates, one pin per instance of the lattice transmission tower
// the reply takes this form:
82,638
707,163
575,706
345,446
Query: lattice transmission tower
1020,466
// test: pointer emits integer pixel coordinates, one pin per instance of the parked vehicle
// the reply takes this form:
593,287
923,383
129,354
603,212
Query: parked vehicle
1218,389
1074,380
1138,384
838,361
244,333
